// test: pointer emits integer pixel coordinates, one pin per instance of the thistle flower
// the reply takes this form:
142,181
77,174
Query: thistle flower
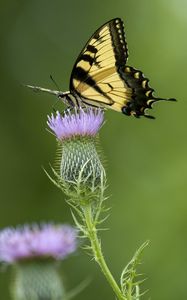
82,123
76,133
32,241
33,250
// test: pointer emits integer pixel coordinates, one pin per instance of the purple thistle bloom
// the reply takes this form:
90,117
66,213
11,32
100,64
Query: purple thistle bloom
80,123
45,240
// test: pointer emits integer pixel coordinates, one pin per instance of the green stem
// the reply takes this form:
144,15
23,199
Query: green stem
97,251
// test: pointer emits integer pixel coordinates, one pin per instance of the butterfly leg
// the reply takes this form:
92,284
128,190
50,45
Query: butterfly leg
68,110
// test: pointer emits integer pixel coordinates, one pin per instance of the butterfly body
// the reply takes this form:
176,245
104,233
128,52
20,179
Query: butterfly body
102,78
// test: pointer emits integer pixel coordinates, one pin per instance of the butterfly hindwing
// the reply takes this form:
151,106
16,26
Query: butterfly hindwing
142,94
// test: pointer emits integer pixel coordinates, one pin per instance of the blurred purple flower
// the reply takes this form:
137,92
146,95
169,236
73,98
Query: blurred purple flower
80,123
45,240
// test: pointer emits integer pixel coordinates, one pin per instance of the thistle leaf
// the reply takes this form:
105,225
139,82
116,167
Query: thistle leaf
129,277
79,226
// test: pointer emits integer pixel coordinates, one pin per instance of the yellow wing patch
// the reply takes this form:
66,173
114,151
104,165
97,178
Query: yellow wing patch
115,93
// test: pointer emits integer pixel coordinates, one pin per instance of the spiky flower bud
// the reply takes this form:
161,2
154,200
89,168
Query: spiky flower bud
76,133
34,251
37,280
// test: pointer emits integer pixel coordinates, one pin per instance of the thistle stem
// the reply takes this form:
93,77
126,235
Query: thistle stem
97,251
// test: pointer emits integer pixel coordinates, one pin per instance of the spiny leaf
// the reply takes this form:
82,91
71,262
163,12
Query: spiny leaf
129,282
52,180
79,226
78,211
103,220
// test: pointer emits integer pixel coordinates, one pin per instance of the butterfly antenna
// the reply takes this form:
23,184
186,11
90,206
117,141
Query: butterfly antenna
55,83
40,89
57,86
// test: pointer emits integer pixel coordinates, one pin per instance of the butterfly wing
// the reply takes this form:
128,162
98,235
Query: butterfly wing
101,78
96,67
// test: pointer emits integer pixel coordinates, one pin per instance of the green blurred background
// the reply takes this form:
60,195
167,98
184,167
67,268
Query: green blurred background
146,160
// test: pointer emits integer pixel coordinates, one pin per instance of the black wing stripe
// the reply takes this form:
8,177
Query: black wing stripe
119,43
88,58
82,75
91,49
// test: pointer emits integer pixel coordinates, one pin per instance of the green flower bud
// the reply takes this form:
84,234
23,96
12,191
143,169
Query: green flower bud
37,280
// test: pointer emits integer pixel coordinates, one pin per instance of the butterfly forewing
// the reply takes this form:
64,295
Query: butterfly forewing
95,77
